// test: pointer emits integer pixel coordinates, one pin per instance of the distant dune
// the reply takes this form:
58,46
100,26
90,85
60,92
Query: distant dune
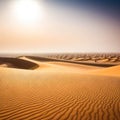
58,90
93,59
91,63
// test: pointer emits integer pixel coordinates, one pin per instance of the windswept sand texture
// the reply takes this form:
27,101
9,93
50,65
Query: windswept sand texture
59,90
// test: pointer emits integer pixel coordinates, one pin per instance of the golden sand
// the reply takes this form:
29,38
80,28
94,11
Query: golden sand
59,91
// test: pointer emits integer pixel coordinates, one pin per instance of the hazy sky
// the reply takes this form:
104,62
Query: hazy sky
59,26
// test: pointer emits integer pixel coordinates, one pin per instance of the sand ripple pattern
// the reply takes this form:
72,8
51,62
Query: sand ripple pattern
79,99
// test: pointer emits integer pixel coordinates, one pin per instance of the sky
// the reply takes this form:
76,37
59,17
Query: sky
53,26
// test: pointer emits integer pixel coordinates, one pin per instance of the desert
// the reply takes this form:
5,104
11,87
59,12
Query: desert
56,87
59,59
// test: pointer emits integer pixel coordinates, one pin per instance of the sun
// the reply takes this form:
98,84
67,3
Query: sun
28,11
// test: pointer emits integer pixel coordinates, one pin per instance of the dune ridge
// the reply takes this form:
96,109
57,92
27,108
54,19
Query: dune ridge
111,71
17,63
71,61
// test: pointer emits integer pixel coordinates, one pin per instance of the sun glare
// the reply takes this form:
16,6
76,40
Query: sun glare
28,11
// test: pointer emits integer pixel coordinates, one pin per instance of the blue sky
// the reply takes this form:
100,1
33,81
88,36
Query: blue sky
111,7
59,26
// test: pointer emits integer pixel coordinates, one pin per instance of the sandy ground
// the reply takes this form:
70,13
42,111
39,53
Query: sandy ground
59,91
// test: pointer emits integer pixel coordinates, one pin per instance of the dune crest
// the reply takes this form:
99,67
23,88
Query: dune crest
17,63
112,71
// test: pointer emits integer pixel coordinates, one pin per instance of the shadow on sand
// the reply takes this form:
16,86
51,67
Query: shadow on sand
18,63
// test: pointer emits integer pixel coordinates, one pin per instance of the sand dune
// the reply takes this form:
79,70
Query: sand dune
53,66
112,71
59,91
17,63
47,59
97,59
